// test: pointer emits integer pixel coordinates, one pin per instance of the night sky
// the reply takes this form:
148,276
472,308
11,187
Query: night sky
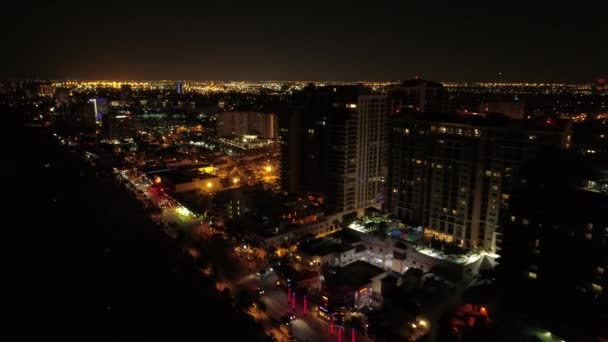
310,40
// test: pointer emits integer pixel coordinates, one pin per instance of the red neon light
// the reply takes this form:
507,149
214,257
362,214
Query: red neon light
352,335
339,334
331,325
305,305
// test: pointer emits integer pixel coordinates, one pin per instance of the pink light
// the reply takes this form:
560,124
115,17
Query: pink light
305,305
293,301
352,335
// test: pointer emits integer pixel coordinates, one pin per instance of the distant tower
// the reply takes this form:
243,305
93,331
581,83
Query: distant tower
418,95
179,87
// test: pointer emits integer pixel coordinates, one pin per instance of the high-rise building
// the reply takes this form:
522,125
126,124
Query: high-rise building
126,93
453,172
61,96
514,109
418,95
100,107
45,89
334,143
237,124
80,115
118,126
179,87
555,242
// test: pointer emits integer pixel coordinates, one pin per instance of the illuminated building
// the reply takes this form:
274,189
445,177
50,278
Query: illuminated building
353,285
100,106
179,87
334,143
239,124
452,173
118,126
418,95
45,90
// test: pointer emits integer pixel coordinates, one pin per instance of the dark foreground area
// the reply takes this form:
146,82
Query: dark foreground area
93,267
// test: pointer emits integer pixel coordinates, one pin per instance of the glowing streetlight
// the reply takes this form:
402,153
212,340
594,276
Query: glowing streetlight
209,184
235,180
268,168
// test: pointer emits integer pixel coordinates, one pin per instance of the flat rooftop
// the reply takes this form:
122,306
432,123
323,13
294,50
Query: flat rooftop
354,275
324,246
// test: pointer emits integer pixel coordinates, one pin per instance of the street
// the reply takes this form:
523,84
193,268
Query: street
235,272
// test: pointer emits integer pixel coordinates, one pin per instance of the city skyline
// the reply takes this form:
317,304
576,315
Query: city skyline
277,41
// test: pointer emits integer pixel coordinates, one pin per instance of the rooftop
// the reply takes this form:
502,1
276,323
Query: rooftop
324,246
487,120
354,275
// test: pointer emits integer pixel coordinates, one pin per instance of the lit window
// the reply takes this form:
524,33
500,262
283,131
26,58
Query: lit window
588,236
600,270
532,275
505,196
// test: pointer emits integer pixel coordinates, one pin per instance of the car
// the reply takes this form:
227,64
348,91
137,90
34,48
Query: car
286,320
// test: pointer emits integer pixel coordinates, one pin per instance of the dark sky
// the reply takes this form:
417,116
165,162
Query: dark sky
311,40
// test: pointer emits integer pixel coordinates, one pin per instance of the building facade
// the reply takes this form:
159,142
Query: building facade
334,143
238,124
452,173
418,95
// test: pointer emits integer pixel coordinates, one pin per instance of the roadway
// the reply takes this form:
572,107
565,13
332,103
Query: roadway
236,272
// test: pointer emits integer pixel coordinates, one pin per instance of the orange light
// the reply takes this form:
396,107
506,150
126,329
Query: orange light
483,310
157,180
363,290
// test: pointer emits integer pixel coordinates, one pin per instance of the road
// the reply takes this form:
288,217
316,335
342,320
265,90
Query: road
236,272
